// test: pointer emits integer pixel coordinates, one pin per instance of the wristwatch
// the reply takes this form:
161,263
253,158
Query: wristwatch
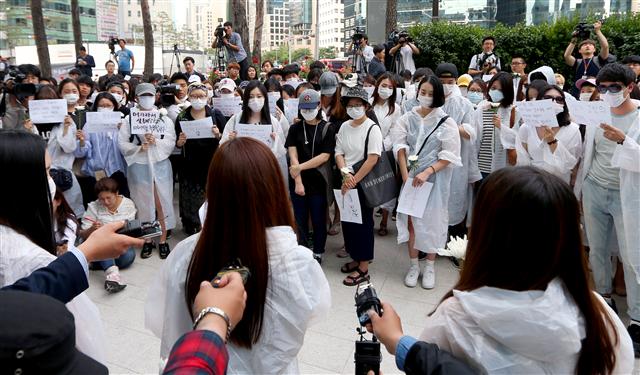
215,311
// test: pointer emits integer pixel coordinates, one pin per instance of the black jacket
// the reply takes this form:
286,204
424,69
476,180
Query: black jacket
427,359
376,68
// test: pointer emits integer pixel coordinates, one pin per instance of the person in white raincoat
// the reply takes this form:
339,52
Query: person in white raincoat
250,220
460,110
388,112
493,120
149,171
428,125
255,110
556,150
540,316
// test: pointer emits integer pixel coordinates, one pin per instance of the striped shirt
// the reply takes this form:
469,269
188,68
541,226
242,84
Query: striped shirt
485,154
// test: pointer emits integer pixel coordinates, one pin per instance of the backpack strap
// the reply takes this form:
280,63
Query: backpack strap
442,120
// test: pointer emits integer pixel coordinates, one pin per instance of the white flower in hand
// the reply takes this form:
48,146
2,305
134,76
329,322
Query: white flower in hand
413,161
79,108
163,111
457,247
345,171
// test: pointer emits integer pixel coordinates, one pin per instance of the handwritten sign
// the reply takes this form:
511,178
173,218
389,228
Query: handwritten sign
146,122
291,109
590,113
349,205
413,200
487,77
273,101
538,113
197,129
102,122
261,133
228,106
47,111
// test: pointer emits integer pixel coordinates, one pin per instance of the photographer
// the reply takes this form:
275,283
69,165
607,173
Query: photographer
85,62
180,80
587,66
481,63
235,51
19,90
407,50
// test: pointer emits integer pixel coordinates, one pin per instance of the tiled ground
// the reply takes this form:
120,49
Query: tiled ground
328,347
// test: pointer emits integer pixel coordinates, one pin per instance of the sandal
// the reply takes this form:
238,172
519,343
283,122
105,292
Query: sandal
349,267
383,231
355,280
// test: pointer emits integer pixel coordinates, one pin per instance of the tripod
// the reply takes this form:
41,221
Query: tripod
176,55
358,60
397,66
219,50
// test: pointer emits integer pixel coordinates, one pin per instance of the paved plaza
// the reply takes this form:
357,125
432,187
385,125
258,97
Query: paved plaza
328,347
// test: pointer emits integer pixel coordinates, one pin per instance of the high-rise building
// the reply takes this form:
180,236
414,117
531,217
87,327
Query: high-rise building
355,19
4,42
275,29
332,22
130,17
302,22
106,19
202,19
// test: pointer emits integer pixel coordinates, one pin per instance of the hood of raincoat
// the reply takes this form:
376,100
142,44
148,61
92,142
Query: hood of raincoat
548,72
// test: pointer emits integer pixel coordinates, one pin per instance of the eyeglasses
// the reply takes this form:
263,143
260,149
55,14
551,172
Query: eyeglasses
355,106
557,99
517,63
614,88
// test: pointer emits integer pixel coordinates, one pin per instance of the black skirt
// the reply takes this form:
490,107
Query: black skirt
358,238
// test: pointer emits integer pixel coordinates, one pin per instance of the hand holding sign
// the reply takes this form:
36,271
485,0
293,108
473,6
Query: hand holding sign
47,111
146,122
538,113
197,129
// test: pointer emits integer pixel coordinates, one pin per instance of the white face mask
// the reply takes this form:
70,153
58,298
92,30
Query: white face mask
226,96
209,94
558,108
385,92
355,112
52,187
614,100
71,98
309,114
425,101
198,104
475,97
585,96
256,104
146,102
104,109
369,90
274,95
496,95
448,89
119,98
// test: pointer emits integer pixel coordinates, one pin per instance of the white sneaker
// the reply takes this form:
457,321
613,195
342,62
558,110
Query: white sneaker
429,275
411,280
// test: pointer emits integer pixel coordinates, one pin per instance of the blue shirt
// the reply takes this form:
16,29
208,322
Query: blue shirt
236,56
124,59
102,152
404,345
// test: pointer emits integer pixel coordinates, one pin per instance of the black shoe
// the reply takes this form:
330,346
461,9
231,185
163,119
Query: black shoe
634,332
147,249
169,232
318,258
164,250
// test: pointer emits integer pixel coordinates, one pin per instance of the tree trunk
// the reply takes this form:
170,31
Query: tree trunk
257,33
40,35
148,38
75,23
392,16
240,22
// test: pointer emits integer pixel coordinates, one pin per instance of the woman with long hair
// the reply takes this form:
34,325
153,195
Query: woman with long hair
27,240
535,277
65,223
249,219
556,150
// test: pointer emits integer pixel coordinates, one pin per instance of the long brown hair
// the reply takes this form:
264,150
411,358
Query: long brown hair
246,195
526,232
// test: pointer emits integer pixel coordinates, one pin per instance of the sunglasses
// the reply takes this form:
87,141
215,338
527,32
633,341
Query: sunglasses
614,88
557,99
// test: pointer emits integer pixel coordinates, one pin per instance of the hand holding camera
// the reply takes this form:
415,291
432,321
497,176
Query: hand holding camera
387,328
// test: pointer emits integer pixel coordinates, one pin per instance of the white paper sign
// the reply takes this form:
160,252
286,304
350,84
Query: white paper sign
590,113
273,101
198,128
47,111
102,122
349,205
369,90
413,200
260,132
538,113
291,109
228,106
146,122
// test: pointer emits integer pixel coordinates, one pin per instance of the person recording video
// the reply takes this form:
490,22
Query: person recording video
587,66
407,49
21,86
483,62
235,51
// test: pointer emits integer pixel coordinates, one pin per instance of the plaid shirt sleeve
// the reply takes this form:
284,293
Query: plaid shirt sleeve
199,352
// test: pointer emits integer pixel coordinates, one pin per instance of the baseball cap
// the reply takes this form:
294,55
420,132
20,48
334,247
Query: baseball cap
308,99
355,92
328,83
145,88
588,81
227,83
446,70
464,80
194,78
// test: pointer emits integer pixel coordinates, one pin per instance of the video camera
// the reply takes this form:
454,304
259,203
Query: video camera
112,42
14,85
357,36
168,92
583,29
400,37
367,355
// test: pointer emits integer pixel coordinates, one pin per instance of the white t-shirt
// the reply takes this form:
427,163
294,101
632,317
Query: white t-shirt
350,141
407,58
367,52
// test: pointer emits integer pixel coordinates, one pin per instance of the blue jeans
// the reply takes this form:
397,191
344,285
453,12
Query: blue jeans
602,215
316,206
123,261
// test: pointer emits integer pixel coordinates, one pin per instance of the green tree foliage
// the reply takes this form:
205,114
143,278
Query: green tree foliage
542,44
327,53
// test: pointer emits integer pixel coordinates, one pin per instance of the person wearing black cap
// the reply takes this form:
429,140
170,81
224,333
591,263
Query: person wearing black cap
633,62
350,147
460,110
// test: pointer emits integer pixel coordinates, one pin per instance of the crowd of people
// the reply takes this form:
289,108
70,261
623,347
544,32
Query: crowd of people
265,201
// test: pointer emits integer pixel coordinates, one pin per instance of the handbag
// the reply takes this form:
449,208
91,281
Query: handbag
379,185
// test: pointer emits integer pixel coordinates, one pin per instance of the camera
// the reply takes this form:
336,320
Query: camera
168,93
219,34
15,86
358,34
367,355
112,42
583,29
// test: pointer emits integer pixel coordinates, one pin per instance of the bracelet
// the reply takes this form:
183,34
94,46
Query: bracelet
434,170
621,142
552,142
215,311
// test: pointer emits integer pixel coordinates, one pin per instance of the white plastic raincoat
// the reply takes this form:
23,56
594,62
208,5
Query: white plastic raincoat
146,168
61,148
461,110
298,296
409,134
505,137
507,332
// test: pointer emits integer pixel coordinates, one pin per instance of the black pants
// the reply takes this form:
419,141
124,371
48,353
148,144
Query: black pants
244,68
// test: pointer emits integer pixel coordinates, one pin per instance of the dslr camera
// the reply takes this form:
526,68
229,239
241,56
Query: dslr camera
112,43
168,93
14,85
583,30
367,355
